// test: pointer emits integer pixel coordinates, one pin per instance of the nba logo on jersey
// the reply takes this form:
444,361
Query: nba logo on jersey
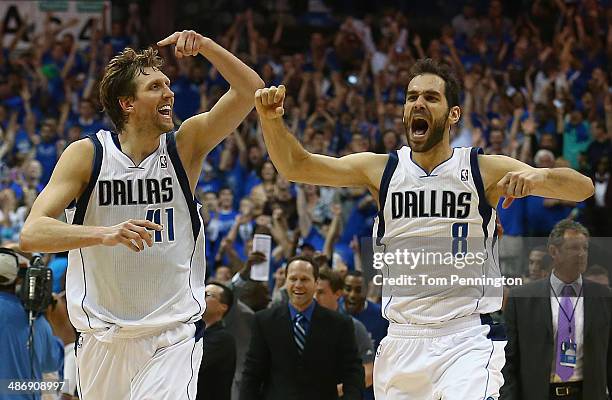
464,175
163,162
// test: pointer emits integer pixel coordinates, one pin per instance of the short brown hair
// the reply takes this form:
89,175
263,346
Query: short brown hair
452,86
335,281
558,232
310,260
118,80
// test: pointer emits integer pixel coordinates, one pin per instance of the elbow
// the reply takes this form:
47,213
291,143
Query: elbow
589,189
26,242
258,84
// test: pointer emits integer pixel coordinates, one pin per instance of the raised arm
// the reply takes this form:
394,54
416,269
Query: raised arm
506,177
199,134
44,233
298,165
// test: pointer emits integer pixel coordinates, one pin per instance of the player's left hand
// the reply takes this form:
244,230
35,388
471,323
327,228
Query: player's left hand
517,184
187,43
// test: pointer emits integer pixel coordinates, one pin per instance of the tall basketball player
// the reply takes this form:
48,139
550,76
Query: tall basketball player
135,280
443,345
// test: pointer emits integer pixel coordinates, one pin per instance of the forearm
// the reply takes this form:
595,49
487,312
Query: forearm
567,184
48,235
284,149
240,77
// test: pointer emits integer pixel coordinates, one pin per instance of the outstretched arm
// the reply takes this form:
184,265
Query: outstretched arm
298,165
199,134
506,177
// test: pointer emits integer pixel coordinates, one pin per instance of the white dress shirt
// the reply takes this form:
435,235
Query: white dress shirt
557,286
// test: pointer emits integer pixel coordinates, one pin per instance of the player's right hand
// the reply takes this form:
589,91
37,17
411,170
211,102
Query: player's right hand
132,234
269,102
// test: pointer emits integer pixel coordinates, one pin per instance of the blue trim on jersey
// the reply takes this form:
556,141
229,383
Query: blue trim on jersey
484,208
199,333
115,138
429,174
81,204
382,193
184,182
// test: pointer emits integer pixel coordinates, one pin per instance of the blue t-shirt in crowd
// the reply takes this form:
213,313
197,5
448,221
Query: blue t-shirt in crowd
14,352
186,97
89,127
46,154
541,219
371,317
513,218
315,239
58,266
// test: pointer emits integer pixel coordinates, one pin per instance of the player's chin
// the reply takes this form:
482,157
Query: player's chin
166,125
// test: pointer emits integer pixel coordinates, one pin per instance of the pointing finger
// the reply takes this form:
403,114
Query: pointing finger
169,40
148,224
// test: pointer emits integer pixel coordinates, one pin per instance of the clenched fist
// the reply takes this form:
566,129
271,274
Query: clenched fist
519,184
187,43
269,102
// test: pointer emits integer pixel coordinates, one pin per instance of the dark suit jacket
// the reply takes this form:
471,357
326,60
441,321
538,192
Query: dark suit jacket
530,349
218,364
274,370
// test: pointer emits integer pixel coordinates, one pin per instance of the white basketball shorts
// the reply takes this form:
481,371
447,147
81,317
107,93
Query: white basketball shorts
457,360
159,365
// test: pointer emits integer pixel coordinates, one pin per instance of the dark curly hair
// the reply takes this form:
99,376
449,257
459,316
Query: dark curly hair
452,87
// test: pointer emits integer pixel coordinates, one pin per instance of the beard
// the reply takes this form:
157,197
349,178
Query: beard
435,135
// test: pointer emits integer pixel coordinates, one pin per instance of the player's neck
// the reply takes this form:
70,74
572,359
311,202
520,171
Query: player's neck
136,144
433,157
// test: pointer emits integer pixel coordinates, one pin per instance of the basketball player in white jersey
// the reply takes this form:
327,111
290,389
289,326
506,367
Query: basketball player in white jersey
135,279
441,345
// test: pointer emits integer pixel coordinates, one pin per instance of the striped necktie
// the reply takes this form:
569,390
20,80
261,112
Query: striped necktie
299,334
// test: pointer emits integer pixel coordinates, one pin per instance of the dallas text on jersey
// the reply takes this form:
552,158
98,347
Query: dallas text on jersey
131,192
411,204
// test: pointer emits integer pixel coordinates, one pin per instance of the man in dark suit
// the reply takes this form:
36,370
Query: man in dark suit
301,350
219,360
560,328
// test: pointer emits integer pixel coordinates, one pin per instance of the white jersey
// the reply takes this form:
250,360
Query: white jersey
156,287
444,216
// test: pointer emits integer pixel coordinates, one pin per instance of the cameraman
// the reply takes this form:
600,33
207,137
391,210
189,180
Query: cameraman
16,364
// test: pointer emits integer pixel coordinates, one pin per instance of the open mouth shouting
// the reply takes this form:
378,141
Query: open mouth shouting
419,127
165,111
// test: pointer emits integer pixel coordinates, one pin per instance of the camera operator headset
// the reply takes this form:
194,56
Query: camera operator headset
29,347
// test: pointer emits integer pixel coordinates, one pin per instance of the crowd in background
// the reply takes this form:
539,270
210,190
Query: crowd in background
536,79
